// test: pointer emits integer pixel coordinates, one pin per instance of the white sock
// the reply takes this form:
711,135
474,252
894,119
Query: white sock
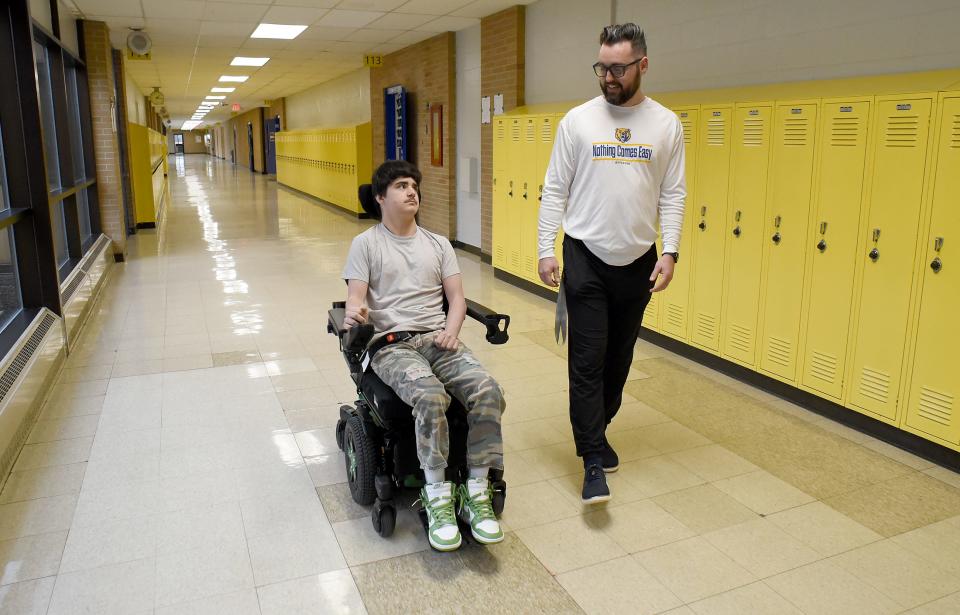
479,472
435,476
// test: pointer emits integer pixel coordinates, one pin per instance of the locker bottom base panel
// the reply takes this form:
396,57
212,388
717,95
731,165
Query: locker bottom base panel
885,432
338,208
526,285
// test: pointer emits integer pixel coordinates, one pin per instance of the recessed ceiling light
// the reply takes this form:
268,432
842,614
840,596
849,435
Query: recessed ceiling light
222,89
242,61
235,78
212,97
272,30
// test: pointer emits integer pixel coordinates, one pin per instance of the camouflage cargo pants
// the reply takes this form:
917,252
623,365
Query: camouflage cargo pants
422,374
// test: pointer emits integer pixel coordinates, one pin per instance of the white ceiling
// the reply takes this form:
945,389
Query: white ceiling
195,40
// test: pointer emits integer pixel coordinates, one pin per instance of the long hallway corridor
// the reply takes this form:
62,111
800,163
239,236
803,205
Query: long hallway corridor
186,462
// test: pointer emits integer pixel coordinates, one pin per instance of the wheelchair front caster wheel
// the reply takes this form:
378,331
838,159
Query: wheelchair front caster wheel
384,517
499,497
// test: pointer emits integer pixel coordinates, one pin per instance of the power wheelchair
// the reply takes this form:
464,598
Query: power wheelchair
376,433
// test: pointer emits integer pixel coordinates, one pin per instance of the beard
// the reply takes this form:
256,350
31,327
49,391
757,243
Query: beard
619,94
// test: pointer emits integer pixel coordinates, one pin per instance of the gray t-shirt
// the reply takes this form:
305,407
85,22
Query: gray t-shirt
405,277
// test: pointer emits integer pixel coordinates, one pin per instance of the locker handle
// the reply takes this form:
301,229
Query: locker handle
936,265
703,225
511,188
776,238
822,245
874,254
524,189
938,244
736,231
540,192
823,228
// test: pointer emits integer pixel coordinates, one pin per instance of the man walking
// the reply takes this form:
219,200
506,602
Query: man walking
617,166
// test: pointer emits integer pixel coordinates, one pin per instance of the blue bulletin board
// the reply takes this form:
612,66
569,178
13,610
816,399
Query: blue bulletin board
395,122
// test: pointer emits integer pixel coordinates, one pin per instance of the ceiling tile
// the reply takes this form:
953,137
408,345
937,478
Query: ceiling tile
396,21
374,36
349,47
315,4
228,11
370,5
108,8
348,19
293,15
415,36
432,7
219,40
483,8
173,9
174,26
449,24
265,44
227,28
325,33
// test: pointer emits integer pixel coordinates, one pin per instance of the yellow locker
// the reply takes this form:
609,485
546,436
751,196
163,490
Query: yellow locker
515,172
833,243
709,215
527,203
747,230
675,313
500,182
546,132
889,241
788,213
933,392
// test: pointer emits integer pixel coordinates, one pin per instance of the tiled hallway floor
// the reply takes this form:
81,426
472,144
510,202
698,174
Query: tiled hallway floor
186,463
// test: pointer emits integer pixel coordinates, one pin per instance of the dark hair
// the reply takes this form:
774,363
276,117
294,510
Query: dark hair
616,33
390,171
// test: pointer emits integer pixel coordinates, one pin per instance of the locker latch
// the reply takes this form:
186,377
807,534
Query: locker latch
736,229
875,253
776,236
511,189
524,189
937,264
703,214
822,244
540,192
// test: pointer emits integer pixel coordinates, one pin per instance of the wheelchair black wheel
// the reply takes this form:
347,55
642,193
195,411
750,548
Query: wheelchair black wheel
499,497
384,517
360,459
341,427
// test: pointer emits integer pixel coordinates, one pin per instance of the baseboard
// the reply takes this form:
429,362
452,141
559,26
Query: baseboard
526,285
333,206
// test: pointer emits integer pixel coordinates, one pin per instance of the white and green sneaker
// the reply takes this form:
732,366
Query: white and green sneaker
439,501
476,508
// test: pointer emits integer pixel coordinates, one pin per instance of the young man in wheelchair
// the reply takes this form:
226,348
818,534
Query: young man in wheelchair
397,277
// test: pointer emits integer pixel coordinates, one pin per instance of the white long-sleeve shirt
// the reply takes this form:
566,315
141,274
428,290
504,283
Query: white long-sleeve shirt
613,172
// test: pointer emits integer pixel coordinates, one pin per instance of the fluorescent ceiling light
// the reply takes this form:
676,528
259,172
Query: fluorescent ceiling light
234,78
242,61
272,30
212,97
189,125
222,89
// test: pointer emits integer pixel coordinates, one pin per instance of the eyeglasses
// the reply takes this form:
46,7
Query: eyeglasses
617,70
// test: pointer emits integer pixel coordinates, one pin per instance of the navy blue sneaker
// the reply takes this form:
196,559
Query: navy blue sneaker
609,459
595,488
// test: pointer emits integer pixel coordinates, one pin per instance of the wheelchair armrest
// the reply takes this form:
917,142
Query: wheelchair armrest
491,320
354,339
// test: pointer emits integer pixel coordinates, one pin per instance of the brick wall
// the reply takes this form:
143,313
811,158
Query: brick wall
99,61
502,68
427,70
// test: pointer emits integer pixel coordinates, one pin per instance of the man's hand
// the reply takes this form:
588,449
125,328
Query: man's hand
549,270
446,340
355,316
663,269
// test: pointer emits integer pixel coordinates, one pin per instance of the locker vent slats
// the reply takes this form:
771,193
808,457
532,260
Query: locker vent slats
936,406
675,316
795,132
823,366
715,130
753,132
515,131
546,132
845,131
530,131
902,131
706,326
687,131
741,338
875,385
955,132
778,351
